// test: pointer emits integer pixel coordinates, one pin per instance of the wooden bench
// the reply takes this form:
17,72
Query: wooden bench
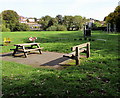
25,50
77,50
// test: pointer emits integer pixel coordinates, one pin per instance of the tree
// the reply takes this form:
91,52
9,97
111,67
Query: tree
2,25
68,22
52,21
11,18
57,28
73,22
21,27
44,21
61,28
52,28
77,22
114,18
59,19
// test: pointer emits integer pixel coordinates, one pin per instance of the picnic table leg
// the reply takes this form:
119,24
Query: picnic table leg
25,53
39,49
14,53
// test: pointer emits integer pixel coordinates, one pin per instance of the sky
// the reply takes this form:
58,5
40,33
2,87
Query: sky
96,9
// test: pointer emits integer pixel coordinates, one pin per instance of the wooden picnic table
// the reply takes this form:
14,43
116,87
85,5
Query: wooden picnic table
27,47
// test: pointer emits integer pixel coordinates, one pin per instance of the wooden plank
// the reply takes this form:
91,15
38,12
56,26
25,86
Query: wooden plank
88,50
77,55
73,53
80,46
25,44
26,50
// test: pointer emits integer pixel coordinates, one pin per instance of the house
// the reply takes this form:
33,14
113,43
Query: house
31,22
34,26
22,19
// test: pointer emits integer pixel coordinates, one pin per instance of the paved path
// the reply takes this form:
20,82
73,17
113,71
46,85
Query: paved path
51,59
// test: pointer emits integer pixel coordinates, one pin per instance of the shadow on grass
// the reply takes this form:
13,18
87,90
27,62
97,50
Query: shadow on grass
88,80
98,76
55,62
91,79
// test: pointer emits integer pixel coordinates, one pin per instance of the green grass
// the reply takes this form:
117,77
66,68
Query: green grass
96,76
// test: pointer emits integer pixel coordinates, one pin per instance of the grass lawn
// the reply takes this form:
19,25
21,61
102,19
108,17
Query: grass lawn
96,76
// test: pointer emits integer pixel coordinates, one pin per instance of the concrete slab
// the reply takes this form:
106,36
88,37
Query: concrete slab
52,59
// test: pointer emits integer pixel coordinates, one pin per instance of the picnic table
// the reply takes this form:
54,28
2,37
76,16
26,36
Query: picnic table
27,47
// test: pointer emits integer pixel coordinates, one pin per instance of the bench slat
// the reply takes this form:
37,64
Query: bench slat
33,49
28,49
73,53
80,46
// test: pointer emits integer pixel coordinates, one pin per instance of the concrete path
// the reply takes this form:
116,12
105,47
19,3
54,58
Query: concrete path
51,59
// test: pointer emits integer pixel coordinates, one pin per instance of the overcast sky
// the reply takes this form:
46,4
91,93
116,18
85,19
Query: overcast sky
96,9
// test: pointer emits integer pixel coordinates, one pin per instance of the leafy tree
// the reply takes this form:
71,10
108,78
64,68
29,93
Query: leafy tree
21,27
52,28
73,22
52,21
44,21
114,18
77,22
59,19
2,25
11,18
61,28
68,21
4,29
57,28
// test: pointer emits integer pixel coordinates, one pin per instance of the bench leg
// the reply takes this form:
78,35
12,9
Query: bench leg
14,53
25,53
40,51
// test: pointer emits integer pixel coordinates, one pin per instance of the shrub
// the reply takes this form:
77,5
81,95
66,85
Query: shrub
4,29
57,28
21,27
52,28
61,28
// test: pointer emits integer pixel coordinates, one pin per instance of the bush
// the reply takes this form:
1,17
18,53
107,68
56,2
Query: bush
21,27
4,29
52,28
57,28
61,28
